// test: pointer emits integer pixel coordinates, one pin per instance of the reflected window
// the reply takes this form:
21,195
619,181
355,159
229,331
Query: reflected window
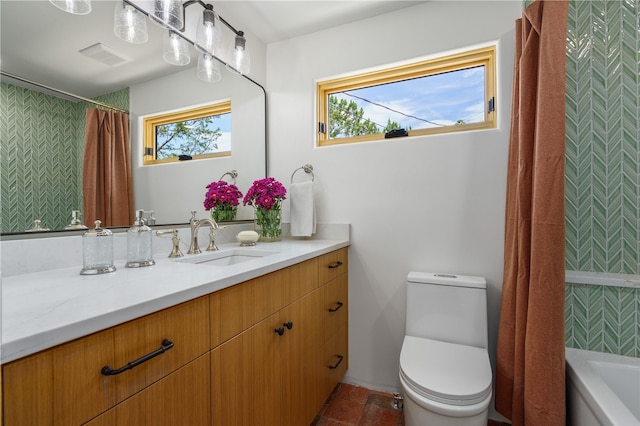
203,132
446,94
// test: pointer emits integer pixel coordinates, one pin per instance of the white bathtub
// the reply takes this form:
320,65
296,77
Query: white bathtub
602,389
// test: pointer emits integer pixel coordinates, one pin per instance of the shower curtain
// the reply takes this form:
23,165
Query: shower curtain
106,172
530,370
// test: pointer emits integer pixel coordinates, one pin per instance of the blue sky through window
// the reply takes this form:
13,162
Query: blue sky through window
432,101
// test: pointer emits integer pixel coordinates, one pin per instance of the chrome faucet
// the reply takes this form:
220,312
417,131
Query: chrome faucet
195,225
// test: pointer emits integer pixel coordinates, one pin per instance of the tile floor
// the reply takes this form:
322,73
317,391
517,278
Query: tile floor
351,405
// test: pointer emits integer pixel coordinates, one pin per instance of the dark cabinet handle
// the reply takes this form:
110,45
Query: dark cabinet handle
340,358
279,330
335,265
338,306
289,325
108,371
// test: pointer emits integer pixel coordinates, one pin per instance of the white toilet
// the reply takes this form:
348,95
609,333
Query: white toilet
444,364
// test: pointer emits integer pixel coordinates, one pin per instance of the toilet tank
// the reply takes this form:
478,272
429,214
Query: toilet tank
447,307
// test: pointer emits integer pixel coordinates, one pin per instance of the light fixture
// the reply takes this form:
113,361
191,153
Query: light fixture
239,59
175,49
208,68
207,37
129,24
168,13
77,7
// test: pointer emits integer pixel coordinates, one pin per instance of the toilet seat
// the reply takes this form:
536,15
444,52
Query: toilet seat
447,373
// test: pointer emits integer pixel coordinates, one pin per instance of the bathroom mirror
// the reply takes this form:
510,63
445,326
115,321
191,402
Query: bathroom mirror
41,43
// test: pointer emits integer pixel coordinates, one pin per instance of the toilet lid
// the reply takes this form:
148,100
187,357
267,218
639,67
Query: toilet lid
446,372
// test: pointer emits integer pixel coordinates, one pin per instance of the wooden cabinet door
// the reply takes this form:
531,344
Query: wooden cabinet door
181,398
186,325
228,393
262,366
28,391
299,358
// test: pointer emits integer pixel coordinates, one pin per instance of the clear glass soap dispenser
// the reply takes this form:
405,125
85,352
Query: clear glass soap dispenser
139,237
97,251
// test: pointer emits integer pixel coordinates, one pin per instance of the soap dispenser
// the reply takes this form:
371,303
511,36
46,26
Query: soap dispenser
97,251
139,237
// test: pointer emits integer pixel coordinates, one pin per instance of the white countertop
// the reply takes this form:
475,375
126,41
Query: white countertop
43,309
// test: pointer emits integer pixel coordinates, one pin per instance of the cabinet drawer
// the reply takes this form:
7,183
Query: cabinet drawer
335,308
332,264
185,325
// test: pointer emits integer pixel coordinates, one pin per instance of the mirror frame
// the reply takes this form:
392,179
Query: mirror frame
63,232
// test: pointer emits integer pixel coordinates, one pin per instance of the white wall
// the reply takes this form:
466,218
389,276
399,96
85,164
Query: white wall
172,190
432,203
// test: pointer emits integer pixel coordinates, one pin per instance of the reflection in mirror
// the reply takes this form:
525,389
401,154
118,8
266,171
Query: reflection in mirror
42,145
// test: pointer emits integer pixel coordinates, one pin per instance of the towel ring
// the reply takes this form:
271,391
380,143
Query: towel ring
232,173
308,169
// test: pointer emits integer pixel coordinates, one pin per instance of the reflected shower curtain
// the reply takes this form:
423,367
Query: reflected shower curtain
106,172
530,370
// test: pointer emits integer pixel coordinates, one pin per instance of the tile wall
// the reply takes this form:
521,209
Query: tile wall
41,156
603,172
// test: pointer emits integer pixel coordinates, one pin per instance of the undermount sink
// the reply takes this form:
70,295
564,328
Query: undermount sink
226,257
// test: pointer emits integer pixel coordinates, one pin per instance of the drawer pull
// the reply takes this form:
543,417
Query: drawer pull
340,358
289,325
279,330
335,265
108,371
338,306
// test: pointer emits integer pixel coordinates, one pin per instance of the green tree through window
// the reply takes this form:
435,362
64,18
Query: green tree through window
190,137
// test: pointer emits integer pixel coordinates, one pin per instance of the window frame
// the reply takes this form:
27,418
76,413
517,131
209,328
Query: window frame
151,122
478,57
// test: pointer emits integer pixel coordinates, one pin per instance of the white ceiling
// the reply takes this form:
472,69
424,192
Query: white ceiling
41,43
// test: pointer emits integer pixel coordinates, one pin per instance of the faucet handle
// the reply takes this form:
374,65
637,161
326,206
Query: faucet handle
193,219
175,251
212,238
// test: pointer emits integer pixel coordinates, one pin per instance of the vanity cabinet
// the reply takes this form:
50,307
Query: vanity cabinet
270,349
65,385
268,371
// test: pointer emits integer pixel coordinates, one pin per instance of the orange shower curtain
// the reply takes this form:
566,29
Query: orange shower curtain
106,172
530,374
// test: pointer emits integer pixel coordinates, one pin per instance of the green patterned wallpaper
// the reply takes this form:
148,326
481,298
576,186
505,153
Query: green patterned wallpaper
41,148
603,172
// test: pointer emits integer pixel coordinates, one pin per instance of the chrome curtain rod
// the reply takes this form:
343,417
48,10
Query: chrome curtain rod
62,92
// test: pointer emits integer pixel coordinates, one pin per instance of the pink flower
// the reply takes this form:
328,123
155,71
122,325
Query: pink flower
265,193
221,193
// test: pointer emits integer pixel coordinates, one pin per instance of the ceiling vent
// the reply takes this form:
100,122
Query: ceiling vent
104,54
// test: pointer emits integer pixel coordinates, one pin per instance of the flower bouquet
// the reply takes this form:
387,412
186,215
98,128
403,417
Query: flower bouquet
222,199
266,196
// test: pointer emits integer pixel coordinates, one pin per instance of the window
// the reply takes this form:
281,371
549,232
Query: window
449,94
203,132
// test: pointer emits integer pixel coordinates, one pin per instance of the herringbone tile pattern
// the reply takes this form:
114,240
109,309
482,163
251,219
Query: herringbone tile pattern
41,148
602,172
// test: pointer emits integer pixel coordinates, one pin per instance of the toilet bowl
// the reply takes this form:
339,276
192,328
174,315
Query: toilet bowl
445,371
444,383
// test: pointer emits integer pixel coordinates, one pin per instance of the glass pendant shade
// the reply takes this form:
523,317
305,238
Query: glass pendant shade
208,68
207,37
129,24
77,7
168,13
175,49
239,59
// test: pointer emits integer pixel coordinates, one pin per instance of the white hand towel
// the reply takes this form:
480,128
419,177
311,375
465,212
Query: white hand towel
303,212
